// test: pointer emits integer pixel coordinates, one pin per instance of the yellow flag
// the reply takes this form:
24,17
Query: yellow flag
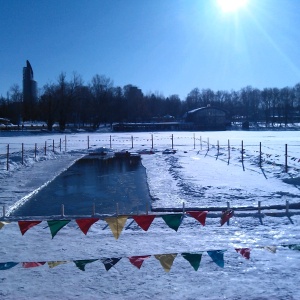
53,264
116,224
166,260
2,224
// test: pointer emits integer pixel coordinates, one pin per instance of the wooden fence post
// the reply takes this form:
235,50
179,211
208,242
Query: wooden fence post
172,141
60,144
3,211
207,144
88,141
131,142
35,149
287,206
65,143
110,141
45,147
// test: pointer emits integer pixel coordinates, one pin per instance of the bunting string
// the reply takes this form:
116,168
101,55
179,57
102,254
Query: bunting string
166,260
117,223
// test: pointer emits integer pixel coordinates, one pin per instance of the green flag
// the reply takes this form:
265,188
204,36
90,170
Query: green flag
193,258
56,225
173,220
293,246
80,264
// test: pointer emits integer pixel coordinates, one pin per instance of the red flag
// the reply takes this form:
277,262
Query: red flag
245,252
25,225
144,221
226,215
33,264
85,224
138,260
199,216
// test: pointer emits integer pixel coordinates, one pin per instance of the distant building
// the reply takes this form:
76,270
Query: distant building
29,92
208,118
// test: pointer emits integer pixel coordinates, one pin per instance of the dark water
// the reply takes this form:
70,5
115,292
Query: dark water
88,181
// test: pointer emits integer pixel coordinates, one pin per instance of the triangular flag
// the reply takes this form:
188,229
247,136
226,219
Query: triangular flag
2,224
110,262
56,226
80,264
144,221
245,252
173,220
33,264
270,248
199,216
25,225
116,225
217,256
85,224
193,258
53,264
166,260
226,215
138,260
7,265
293,246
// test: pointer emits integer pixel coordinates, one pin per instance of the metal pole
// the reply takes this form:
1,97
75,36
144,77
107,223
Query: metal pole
242,152
131,142
65,143
60,144
7,160
45,147
260,154
286,156
172,140
152,140
22,153
35,148
228,149
110,141
194,141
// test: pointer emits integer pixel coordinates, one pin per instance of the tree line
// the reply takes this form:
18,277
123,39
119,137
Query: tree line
73,102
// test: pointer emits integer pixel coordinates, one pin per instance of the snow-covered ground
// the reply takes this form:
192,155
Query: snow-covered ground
202,173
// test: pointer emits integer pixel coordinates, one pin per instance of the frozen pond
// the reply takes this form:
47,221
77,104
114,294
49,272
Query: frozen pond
106,182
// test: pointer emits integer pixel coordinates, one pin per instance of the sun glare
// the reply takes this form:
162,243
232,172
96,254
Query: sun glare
231,5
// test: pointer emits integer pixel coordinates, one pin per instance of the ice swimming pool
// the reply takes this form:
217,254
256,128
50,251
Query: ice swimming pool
105,183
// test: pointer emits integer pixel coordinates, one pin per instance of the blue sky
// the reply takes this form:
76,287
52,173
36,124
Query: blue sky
165,46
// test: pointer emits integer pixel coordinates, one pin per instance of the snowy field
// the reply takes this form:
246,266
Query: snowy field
208,170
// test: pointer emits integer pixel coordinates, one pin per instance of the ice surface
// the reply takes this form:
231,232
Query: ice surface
192,175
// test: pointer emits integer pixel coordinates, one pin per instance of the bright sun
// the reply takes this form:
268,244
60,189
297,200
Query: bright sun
231,5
